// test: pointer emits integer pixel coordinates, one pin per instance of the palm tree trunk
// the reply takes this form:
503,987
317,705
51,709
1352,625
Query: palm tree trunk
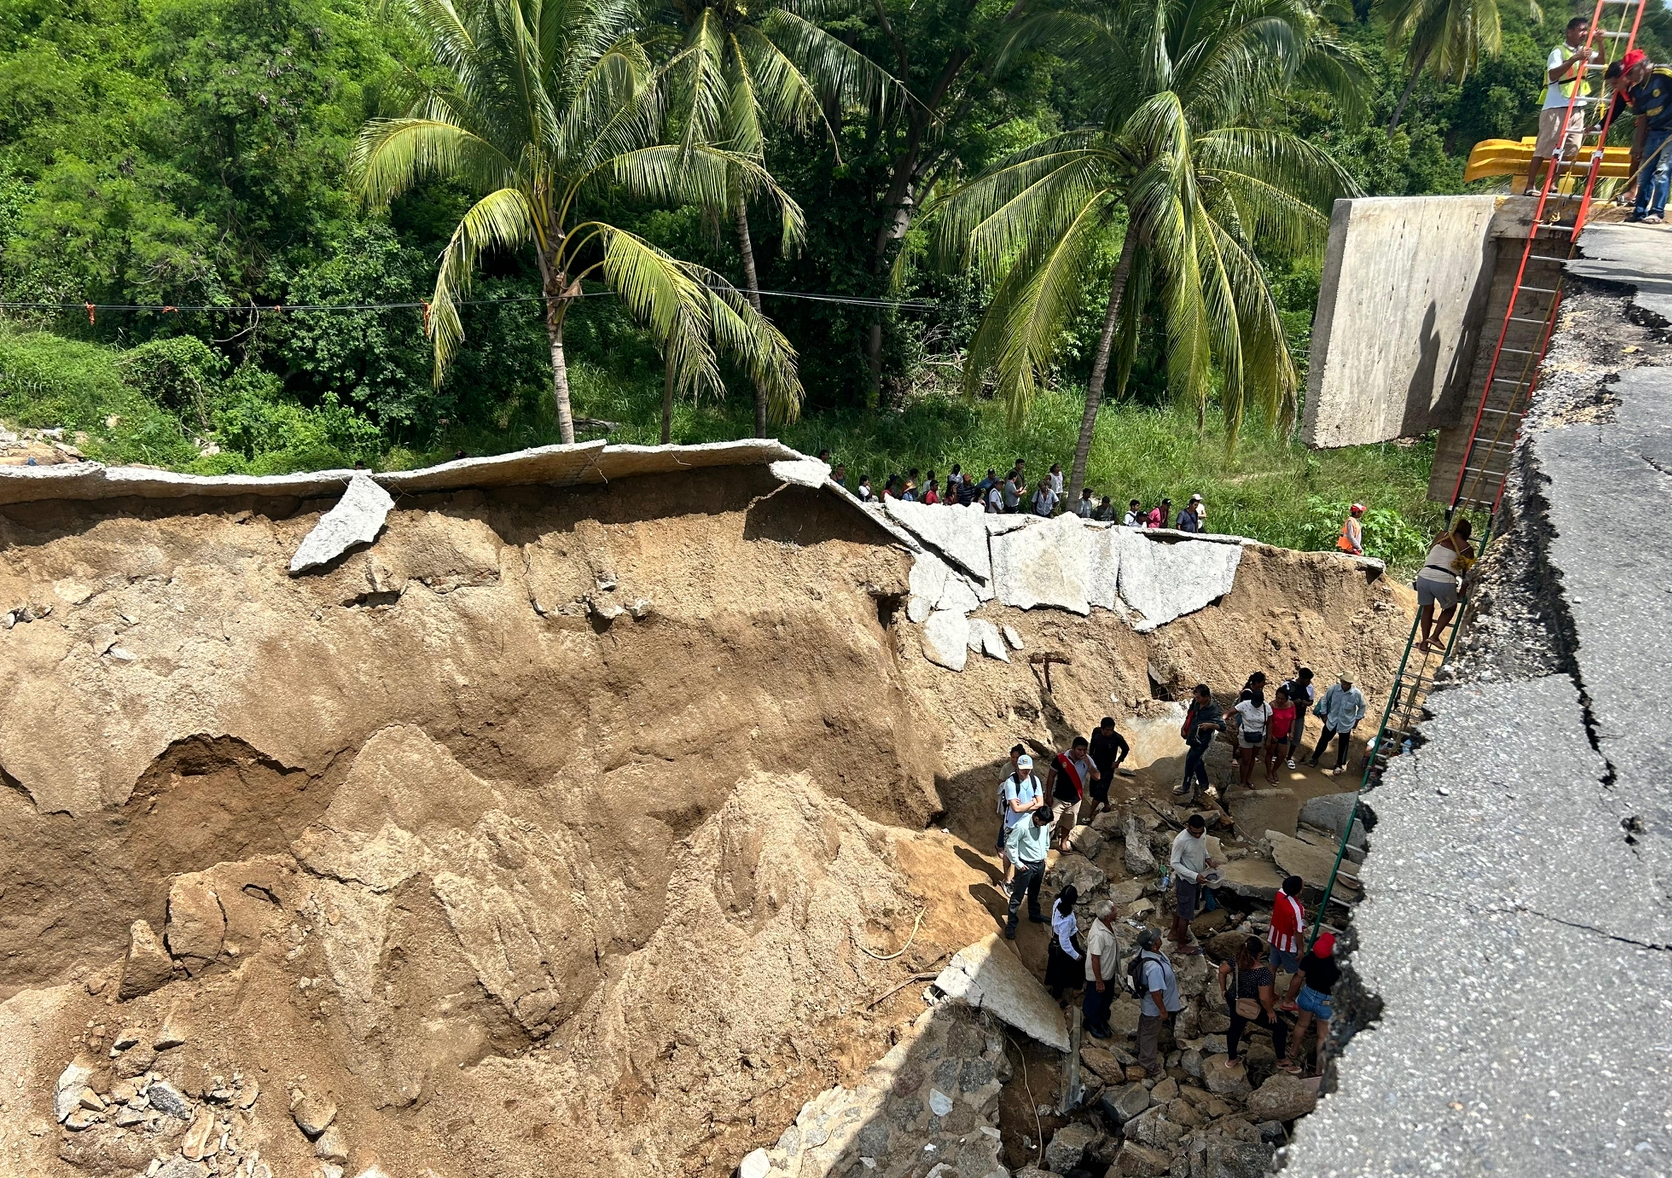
667,401
1100,368
747,248
553,281
1416,72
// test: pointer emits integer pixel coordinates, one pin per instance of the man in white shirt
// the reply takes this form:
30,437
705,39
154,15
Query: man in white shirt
1087,506
1102,963
1019,794
1027,844
1055,479
1134,517
1564,72
1189,862
1044,499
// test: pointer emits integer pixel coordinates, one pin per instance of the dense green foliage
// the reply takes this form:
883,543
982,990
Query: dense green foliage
198,152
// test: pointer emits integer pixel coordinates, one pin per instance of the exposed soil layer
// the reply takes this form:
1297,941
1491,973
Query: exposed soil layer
554,833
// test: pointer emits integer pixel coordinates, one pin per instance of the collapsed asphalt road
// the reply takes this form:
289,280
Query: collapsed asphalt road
1515,946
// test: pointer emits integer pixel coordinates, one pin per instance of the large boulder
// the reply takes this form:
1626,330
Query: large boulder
1067,1147
1139,859
1225,1158
1104,1064
1282,1098
147,965
1140,1161
1125,1102
1085,875
1230,1082
1153,1129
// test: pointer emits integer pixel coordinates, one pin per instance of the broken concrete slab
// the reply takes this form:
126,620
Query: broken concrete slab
988,975
356,519
800,472
1165,581
1312,863
957,534
927,581
1331,812
946,636
1251,877
1256,811
1103,549
1044,564
1013,636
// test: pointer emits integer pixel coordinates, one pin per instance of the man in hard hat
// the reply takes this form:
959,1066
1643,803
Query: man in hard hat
1564,81
1645,88
1351,538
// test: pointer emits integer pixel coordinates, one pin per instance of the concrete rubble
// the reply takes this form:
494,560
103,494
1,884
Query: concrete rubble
1045,564
989,976
356,519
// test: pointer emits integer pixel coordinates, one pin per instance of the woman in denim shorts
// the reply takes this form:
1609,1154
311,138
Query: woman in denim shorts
1310,994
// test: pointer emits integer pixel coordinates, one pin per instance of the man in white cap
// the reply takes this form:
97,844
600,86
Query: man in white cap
1342,708
1019,794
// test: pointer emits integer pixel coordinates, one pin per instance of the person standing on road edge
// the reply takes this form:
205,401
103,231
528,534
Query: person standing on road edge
1342,708
1108,750
1066,782
1102,962
1027,844
1564,72
1189,862
1647,89
1160,986
1200,723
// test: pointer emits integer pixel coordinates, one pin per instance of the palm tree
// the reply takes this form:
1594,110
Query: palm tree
742,69
1178,170
546,106
1447,36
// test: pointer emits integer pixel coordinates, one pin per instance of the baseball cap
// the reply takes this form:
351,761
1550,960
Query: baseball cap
1195,499
1632,59
1324,946
1357,509
1024,762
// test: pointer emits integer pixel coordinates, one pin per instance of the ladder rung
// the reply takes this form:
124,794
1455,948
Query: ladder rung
1506,380
1524,319
1614,35
1517,351
1539,289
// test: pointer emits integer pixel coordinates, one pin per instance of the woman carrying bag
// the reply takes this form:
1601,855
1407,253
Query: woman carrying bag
1247,983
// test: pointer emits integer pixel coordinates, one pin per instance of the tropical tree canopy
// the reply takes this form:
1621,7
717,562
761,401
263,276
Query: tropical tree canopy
1180,170
547,108
1448,37
739,72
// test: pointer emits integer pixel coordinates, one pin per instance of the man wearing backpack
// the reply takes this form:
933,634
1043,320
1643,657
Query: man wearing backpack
1200,723
1019,794
1151,974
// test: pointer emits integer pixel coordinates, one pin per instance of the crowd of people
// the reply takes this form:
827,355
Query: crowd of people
1013,494
1038,812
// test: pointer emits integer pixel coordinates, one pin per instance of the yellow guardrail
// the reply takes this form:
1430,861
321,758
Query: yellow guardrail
1512,157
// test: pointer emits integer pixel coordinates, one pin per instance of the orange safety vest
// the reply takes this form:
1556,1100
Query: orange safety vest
1352,536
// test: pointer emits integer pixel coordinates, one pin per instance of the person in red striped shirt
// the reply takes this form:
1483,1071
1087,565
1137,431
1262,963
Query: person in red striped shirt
1287,917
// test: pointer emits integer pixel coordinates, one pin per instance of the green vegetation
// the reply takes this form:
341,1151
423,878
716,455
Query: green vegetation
202,153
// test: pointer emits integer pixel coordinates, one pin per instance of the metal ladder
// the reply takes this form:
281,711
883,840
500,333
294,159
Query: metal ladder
1484,471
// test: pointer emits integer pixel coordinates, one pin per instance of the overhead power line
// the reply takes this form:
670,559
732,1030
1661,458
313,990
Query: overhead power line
422,305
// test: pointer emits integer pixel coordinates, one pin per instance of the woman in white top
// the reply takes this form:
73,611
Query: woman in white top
1253,715
1062,960
1440,580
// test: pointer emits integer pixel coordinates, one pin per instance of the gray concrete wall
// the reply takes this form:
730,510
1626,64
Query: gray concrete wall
1405,283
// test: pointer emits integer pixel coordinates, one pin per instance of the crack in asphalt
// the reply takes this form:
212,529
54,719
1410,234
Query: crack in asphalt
1516,906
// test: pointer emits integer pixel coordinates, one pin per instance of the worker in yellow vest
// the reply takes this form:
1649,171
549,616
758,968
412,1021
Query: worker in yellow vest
1564,76
1352,531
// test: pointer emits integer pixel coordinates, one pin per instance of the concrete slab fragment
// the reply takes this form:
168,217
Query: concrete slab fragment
356,519
1044,564
1166,581
1103,564
801,472
946,637
958,534
984,639
990,976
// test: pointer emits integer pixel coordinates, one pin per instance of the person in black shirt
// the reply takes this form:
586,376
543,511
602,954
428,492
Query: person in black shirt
1200,723
1108,750
1310,994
